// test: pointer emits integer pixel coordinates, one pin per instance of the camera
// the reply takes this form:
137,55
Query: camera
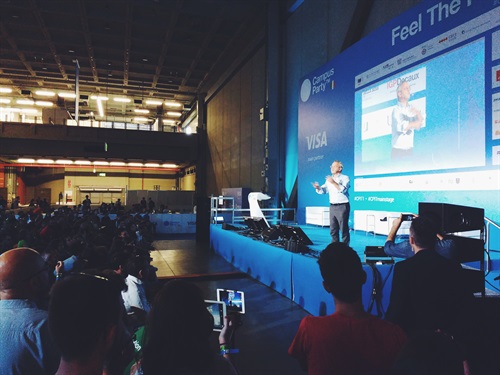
407,217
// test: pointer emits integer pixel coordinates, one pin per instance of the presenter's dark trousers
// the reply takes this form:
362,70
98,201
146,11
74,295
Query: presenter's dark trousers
339,219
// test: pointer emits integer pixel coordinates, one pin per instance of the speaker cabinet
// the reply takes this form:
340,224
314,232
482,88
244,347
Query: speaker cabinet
474,280
468,249
452,217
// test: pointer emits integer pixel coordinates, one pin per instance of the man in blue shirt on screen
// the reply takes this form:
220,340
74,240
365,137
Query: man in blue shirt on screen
405,120
337,186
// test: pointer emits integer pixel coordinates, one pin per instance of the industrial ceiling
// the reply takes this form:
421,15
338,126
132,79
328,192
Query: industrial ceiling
170,50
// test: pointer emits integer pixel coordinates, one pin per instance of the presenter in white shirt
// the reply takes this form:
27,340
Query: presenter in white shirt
337,186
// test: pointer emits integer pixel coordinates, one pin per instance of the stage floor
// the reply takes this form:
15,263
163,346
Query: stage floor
320,236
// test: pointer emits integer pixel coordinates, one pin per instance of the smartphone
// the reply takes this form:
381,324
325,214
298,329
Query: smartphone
233,299
218,311
407,217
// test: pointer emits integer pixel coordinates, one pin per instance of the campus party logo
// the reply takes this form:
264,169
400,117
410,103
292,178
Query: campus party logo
316,140
305,90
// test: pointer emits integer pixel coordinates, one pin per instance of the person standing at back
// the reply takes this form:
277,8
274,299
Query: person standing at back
350,341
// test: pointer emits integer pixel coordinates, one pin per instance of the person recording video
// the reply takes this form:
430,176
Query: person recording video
402,249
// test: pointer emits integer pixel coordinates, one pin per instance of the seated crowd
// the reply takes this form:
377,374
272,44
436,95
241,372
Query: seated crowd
77,295
106,313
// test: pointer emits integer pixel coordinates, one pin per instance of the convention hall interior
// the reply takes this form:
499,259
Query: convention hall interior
197,106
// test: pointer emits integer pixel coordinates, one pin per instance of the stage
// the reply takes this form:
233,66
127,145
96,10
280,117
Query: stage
297,276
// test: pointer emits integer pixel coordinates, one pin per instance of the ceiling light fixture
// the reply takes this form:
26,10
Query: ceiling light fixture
82,162
5,90
141,110
153,102
29,110
100,108
45,161
64,161
122,100
173,104
99,97
4,101
67,95
25,102
98,162
140,119
174,114
43,103
152,165
166,165
25,160
45,93
117,163
132,164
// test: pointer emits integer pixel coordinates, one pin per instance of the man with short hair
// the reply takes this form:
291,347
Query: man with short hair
428,290
350,341
26,345
337,187
85,318
445,247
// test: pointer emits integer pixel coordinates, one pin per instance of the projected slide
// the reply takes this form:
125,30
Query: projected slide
412,111
429,117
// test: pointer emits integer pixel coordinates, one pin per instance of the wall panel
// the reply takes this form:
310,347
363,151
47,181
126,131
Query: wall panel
235,134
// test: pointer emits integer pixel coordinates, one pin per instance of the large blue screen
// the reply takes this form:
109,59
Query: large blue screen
443,58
